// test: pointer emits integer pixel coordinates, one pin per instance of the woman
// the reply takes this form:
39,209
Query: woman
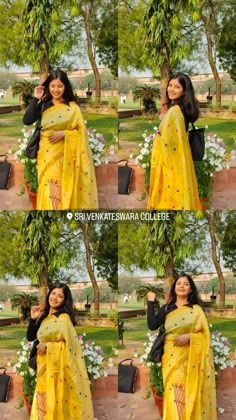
187,362
66,177
173,183
63,388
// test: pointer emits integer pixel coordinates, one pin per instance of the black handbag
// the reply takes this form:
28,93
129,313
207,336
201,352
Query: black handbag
33,356
5,173
124,177
197,142
32,147
157,349
127,376
5,381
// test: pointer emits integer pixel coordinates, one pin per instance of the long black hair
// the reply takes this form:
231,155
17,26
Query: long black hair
187,102
193,296
67,305
68,94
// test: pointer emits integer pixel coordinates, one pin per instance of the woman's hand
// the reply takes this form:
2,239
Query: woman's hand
151,296
41,348
38,92
56,136
181,340
36,311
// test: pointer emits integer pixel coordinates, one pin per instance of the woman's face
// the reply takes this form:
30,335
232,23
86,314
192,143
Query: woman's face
56,298
57,89
175,89
182,287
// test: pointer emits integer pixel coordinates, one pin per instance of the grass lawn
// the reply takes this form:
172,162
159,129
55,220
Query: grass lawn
136,329
11,125
9,100
105,337
8,312
131,129
132,304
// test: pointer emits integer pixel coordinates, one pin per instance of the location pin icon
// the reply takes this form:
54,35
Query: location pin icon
69,216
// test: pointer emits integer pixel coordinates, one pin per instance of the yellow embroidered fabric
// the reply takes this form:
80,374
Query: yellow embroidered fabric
63,387
66,175
188,371
173,183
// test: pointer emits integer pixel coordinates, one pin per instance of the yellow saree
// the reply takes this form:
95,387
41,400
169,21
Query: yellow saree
66,175
173,183
63,387
188,371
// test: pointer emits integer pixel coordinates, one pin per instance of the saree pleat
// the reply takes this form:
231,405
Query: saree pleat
188,371
66,175
173,183
63,387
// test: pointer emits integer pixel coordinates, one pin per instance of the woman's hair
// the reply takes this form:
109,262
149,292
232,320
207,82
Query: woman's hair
67,305
187,102
193,296
68,94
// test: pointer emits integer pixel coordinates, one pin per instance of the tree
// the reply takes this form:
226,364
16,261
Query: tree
130,35
24,89
46,35
127,84
216,226
147,95
229,242
128,284
7,79
227,41
44,251
106,257
107,44
7,291
165,43
23,301
142,291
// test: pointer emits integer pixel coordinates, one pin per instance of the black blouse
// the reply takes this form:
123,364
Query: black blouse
34,111
155,321
33,327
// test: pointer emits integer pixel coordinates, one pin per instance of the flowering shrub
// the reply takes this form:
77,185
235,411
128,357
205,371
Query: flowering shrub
97,145
221,348
94,358
145,151
96,142
22,367
156,379
214,160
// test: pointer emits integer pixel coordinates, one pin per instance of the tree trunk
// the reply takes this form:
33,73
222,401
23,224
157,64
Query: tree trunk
43,287
91,54
169,273
207,24
210,219
165,75
44,68
85,228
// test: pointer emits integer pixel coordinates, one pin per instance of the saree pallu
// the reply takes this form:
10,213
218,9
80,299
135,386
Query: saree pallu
63,387
66,175
173,183
188,371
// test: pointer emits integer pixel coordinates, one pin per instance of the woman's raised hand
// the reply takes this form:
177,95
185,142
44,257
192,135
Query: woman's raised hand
151,296
38,92
56,136
35,312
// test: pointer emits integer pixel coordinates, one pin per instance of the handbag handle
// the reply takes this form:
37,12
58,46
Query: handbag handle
123,160
125,361
5,157
4,370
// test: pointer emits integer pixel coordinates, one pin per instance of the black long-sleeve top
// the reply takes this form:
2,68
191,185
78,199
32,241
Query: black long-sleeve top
34,110
34,324
155,321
